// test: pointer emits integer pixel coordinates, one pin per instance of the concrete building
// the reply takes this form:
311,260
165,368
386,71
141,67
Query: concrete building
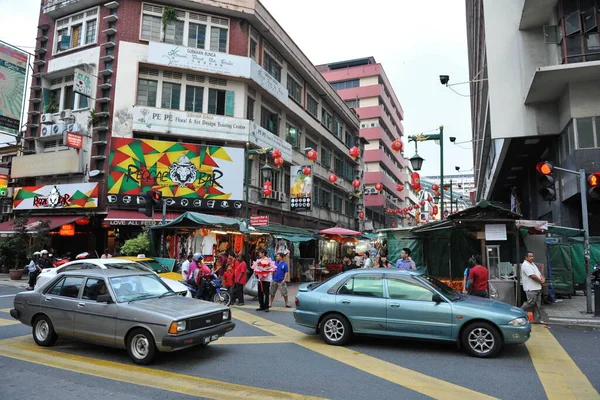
536,97
180,92
364,86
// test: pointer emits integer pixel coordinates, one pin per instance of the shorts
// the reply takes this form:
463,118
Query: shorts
276,285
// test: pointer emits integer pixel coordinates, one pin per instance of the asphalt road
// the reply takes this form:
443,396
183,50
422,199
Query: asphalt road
268,356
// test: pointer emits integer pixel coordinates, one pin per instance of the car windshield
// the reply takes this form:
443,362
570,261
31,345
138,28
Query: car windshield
450,293
155,266
137,287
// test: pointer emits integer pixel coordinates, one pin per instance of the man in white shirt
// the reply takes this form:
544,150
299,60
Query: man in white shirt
532,281
367,262
185,268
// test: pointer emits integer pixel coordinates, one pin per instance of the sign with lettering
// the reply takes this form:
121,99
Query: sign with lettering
205,126
187,175
74,140
301,188
495,232
77,195
268,82
82,83
265,139
259,220
67,230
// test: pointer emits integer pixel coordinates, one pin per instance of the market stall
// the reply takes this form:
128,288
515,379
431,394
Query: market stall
334,244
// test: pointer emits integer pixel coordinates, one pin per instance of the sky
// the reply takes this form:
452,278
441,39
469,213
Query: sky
414,44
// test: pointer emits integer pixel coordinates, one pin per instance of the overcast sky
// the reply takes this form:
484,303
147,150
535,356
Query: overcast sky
414,43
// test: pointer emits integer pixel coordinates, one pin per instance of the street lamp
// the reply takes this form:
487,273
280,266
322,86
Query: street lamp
416,162
266,172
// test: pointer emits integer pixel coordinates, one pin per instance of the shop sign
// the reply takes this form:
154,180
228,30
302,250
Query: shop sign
13,70
259,75
3,185
495,232
77,195
301,188
197,125
74,140
259,220
67,230
261,137
62,162
82,83
189,176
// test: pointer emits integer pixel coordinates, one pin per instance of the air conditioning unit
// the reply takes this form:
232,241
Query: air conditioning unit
47,118
74,128
66,114
58,129
281,197
46,130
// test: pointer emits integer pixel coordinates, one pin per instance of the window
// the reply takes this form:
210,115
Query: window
193,98
326,158
339,166
218,39
147,92
61,96
337,203
292,136
93,288
579,22
585,133
174,33
253,50
351,140
353,103
69,99
294,89
67,287
216,101
312,105
401,289
309,143
269,120
152,28
76,30
250,110
197,35
346,84
272,66
326,119
366,286
171,93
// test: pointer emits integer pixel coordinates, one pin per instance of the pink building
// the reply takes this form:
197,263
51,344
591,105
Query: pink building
364,86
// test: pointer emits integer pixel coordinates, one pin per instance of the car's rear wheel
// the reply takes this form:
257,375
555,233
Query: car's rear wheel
43,331
336,330
223,298
140,346
481,339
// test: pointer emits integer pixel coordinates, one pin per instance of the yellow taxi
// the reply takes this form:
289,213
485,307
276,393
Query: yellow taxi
155,266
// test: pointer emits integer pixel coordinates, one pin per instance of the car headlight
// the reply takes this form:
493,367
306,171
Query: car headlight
518,322
177,326
225,315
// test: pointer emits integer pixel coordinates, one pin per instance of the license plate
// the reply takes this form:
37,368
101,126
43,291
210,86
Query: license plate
214,337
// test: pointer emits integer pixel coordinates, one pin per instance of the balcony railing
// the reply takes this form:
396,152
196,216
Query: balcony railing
60,8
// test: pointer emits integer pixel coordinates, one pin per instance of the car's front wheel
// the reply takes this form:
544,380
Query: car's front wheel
481,339
43,331
140,346
336,330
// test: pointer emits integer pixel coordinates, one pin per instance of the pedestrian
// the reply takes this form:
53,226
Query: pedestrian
185,267
263,269
106,254
228,279
466,275
239,278
280,279
347,263
367,263
532,285
405,262
477,283
358,261
383,263
32,263
42,263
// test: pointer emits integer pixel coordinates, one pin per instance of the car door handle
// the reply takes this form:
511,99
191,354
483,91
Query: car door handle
47,298
345,301
81,305
395,305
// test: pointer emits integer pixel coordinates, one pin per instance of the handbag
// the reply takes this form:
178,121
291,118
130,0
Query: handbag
251,287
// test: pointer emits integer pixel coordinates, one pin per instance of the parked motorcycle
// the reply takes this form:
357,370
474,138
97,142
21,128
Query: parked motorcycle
214,291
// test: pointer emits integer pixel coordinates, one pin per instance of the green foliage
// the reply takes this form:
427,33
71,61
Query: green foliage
135,246
51,107
169,15
16,250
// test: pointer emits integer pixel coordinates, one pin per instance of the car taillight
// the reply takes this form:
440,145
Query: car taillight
297,303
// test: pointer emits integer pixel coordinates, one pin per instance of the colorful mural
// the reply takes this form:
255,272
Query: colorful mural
178,170
77,195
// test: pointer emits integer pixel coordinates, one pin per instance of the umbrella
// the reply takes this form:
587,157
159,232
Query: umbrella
339,231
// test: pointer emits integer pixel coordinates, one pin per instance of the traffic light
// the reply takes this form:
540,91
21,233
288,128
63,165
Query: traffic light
594,183
156,197
548,192
149,200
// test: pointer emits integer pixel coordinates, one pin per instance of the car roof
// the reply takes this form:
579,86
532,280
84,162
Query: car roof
109,273
132,258
101,261
392,271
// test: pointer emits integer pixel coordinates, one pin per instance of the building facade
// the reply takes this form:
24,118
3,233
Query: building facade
184,95
364,86
535,97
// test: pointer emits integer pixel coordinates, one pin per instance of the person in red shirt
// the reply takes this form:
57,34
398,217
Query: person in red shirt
228,279
239,279
478,279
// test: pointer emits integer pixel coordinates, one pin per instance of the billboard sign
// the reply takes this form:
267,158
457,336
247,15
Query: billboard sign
74,140
189,176
301,188
82,83
13,74
77,195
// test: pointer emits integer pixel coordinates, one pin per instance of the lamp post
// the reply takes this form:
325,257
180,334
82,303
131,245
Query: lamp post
249,153
417,162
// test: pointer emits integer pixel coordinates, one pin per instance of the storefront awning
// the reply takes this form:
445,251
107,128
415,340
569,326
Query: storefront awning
54,222
195,220
290,233
135,218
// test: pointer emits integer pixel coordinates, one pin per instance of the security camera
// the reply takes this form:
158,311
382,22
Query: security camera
457,168
452,139
444,79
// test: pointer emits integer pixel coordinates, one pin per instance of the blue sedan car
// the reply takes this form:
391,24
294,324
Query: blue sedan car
407,304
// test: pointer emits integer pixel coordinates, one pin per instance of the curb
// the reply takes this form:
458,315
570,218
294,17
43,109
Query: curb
575,321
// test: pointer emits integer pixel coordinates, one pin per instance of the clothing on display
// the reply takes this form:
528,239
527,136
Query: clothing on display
207,243
282,247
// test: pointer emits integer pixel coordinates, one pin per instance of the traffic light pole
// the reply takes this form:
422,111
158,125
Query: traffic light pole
586,235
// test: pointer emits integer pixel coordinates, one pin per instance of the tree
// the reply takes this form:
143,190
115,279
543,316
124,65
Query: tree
18,247
137,245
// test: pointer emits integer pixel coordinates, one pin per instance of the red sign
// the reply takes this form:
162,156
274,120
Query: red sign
74,140
259,220
67,230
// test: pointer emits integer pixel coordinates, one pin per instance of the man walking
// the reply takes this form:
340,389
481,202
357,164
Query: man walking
532,285
279,280
478,278
405,262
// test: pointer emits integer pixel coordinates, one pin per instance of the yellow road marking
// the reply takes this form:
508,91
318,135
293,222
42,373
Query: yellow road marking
408,378
250,340
7,322
272,308
559,374
19,349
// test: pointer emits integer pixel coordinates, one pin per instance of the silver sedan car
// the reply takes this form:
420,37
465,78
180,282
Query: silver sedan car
120,308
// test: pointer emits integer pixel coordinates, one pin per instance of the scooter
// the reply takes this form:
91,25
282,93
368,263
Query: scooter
214,291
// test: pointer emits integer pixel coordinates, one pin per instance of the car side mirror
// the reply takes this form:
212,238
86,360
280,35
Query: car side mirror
104,298
436,298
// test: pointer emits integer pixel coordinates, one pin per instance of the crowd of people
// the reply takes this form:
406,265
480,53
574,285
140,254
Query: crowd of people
377,259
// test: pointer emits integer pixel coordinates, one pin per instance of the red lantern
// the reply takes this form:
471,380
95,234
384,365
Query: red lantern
278,162
356,183
405,210
429,198
354,152
422,203
306,170
434,211
361,214
276,153
378,187
417,206
410,208
446,187
438,194
397,145
399,187
269,184
332,178
415,181
267,190
83,221
435,187
312,155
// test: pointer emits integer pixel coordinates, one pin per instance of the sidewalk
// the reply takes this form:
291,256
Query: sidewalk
570,311
6,281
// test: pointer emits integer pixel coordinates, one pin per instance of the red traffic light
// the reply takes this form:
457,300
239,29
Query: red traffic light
594,179
156,195
544,167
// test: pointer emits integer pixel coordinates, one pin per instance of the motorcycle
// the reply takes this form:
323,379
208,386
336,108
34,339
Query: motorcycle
214,291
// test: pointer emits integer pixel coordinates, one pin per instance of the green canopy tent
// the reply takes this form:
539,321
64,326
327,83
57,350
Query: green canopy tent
286,232
195,220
